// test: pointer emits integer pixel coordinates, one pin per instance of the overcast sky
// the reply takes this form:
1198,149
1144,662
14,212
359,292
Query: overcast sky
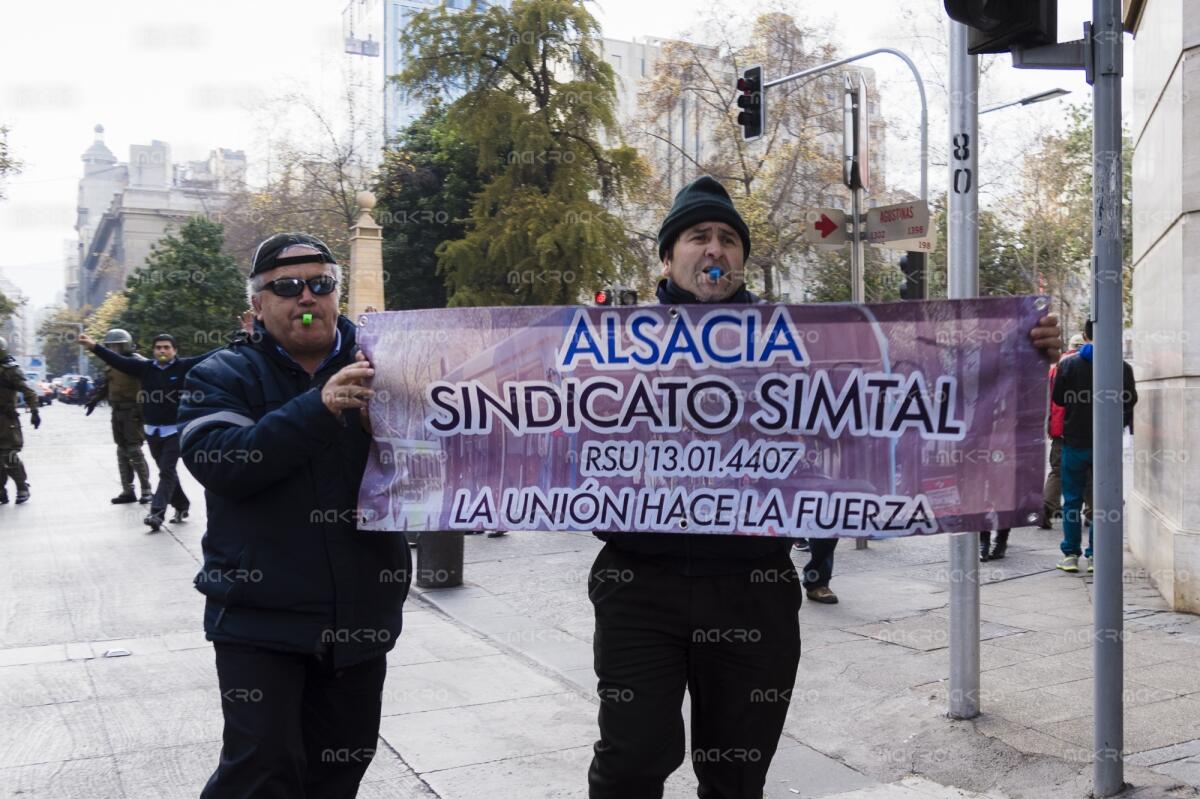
196,74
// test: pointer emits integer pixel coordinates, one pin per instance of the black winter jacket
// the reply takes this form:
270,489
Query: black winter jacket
162,386
1073,391
284,565
701,553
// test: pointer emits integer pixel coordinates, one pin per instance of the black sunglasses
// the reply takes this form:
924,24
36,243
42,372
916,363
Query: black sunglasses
294,286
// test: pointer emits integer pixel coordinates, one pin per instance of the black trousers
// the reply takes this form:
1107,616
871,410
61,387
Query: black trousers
295,728
819,569
733,641
165,451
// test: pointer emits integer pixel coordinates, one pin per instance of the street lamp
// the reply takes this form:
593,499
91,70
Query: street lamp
920,91
1041,97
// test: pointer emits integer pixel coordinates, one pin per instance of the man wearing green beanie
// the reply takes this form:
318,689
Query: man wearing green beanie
715,615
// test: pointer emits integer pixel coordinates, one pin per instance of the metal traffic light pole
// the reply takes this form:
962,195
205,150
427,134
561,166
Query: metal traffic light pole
804,73
1100,54
858,242
1105,73
962,249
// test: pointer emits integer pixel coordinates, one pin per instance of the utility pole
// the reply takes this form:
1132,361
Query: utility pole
962,248
1107,419
1028,30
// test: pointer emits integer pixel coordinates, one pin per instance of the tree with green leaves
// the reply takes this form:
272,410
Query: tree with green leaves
1055,212
827,278
428,181
105,317
188,287
7,308
538,94
57,334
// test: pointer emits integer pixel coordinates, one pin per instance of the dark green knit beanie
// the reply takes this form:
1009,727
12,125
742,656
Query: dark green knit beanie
702,200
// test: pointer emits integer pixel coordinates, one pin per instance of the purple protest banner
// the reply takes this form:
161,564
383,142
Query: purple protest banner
824,420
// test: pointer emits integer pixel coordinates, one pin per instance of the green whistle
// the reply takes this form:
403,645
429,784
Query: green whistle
306,319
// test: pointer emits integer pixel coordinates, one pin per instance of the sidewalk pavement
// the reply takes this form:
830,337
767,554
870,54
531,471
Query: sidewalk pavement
490,691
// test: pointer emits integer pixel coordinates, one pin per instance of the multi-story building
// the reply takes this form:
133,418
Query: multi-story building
372,31
125,207
1163,509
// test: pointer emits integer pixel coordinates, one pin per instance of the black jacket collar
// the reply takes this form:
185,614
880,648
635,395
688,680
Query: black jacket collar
265,343
669,293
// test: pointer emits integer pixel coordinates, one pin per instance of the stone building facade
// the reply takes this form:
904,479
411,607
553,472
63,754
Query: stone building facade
125,207
1163,510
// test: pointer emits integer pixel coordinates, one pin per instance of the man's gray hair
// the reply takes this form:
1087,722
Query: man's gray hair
256,283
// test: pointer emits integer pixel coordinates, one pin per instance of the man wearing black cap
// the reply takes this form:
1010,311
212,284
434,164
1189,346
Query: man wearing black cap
678,611
301,607
162,381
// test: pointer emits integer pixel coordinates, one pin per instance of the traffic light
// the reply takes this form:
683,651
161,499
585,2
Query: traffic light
999,25
611,295
912,264
753,102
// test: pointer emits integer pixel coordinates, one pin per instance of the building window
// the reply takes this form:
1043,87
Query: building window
616,60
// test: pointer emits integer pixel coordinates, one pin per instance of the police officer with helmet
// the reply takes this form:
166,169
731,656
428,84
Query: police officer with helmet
12,382
122,390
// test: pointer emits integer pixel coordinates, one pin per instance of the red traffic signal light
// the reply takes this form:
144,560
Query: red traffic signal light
603,297
752,100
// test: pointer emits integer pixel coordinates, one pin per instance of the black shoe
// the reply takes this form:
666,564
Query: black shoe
180,516
146,498
3,497
497,533
983,553
997,552
124,498
823,595
22,494
1045,525
154,520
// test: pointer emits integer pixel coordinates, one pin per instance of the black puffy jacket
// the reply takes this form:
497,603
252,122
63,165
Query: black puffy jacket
284,565
1073,390
700,553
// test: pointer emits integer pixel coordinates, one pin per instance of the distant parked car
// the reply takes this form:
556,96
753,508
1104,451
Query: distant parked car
43,389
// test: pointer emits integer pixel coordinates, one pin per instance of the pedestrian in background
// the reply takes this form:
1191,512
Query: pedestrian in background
162,381
122,390
12,383
1052,492
1073,391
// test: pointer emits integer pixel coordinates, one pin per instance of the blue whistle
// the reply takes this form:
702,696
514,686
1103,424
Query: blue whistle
715,273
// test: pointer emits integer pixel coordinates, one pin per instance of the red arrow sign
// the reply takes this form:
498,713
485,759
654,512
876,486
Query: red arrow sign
825,226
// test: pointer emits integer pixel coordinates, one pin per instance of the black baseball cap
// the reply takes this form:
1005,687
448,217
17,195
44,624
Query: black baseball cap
266,255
